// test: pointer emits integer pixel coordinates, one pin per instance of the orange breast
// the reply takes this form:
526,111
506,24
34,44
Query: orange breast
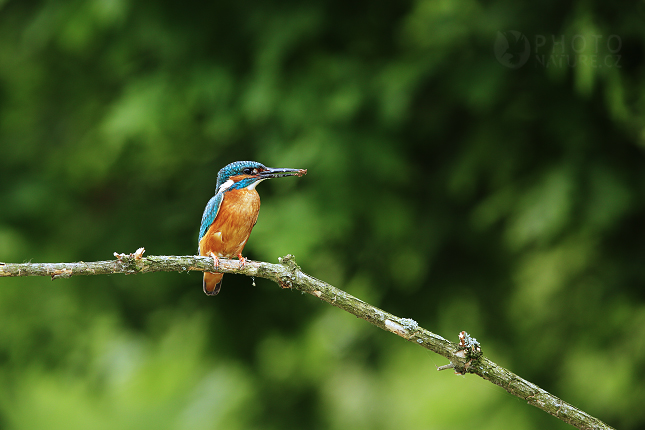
232,227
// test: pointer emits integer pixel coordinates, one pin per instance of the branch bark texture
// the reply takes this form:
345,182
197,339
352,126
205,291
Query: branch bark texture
465,356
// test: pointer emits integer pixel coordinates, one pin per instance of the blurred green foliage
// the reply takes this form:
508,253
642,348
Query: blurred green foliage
443,186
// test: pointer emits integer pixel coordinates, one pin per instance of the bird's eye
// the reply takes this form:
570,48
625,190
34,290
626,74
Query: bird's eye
247,171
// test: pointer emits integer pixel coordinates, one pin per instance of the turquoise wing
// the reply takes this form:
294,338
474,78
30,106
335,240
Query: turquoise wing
210,213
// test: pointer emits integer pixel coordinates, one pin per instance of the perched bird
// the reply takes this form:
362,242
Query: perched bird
231,214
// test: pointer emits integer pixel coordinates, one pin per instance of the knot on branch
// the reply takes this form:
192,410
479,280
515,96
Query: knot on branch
130,262
470,345
289,260
469,349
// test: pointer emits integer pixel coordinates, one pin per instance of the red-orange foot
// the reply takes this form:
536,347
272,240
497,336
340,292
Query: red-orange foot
242,260
215,260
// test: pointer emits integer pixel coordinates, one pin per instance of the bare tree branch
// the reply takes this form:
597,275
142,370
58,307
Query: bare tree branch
465,356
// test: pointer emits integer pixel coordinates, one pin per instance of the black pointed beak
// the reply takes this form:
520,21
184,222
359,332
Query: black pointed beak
279,173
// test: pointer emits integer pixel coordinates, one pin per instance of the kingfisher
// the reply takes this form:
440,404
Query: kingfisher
231,214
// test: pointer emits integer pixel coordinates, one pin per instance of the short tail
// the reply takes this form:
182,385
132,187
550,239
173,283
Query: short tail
212,283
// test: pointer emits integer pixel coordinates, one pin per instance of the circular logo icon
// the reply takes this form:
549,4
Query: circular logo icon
512,49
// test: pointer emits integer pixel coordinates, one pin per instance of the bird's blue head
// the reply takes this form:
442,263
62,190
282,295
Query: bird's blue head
247,174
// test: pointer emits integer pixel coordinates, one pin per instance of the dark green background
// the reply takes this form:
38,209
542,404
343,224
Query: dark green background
443,186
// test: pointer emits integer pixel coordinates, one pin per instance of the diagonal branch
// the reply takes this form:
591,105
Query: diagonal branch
465,356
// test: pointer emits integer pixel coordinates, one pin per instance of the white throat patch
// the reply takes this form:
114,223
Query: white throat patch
254,184
225,186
